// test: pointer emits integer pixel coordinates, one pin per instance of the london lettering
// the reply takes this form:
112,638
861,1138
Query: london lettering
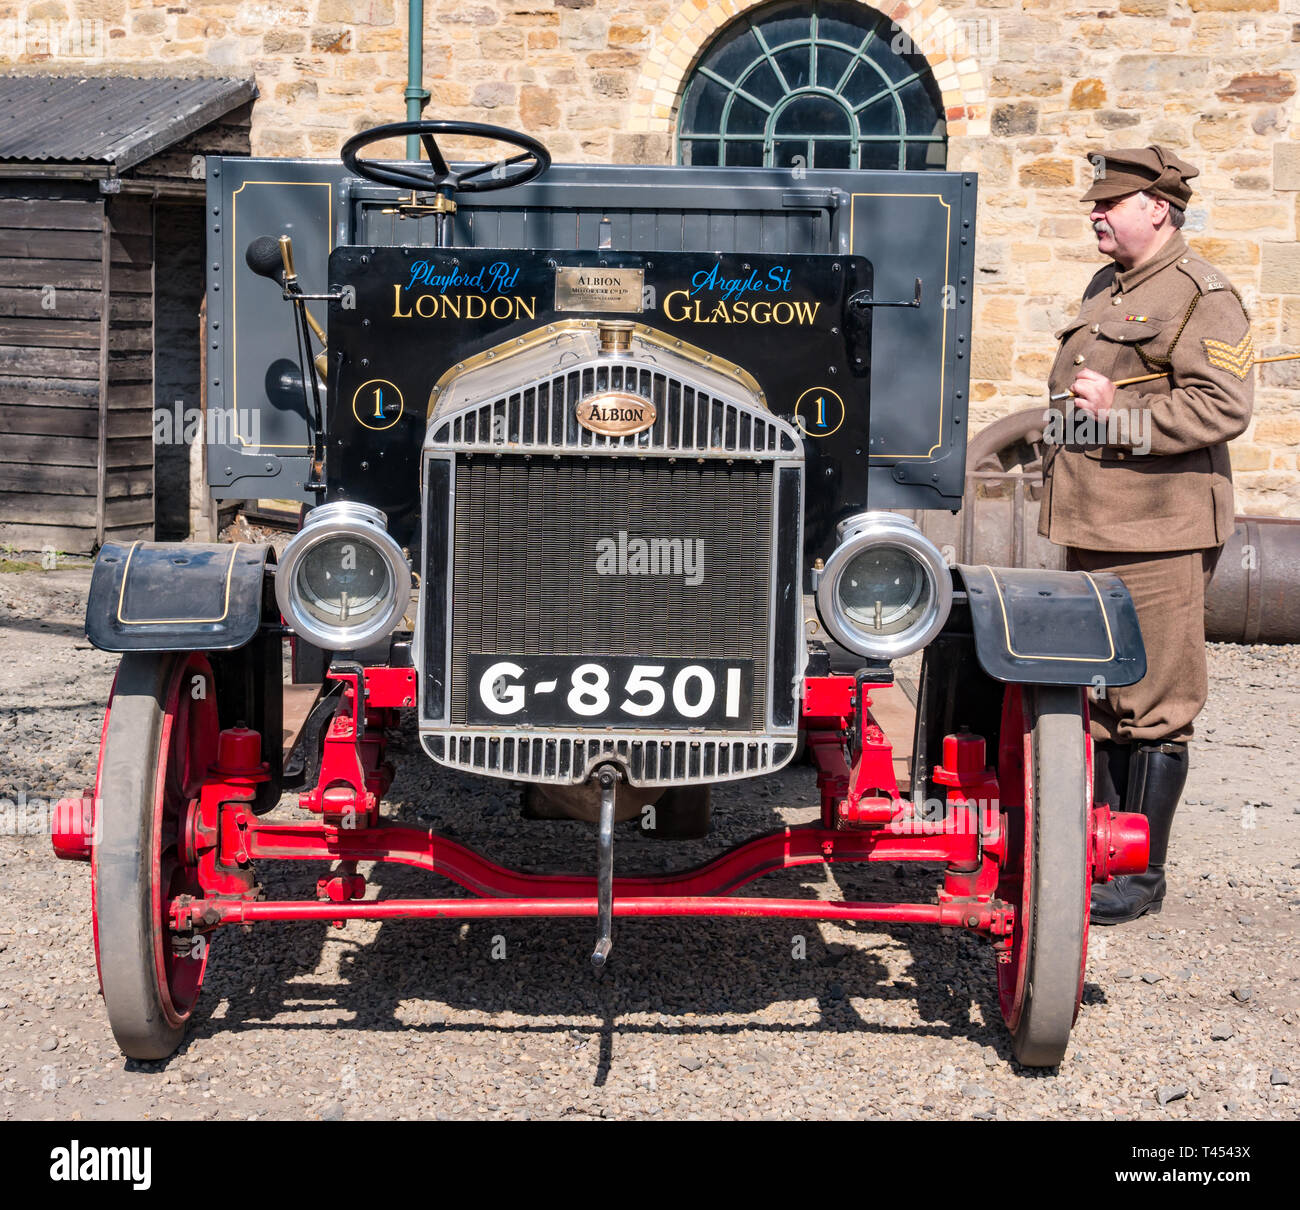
462,306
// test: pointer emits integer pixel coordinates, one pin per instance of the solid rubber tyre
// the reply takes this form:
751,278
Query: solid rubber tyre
158,744
1051,944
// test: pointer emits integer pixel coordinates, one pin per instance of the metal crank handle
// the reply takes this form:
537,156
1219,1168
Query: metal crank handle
605,869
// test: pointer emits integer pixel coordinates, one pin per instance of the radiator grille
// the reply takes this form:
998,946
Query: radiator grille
565,758
541,415
527,581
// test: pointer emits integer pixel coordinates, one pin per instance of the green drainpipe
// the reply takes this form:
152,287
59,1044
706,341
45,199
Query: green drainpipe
416,95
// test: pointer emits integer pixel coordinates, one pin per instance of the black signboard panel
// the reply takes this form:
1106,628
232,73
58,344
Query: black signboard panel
796,323
908,226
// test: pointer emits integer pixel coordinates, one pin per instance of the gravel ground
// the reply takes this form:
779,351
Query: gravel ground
1191,1014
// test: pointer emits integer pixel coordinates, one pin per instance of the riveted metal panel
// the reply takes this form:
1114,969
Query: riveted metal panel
907,225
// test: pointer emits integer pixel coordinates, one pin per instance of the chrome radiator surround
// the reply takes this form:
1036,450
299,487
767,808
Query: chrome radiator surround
714,419
570,758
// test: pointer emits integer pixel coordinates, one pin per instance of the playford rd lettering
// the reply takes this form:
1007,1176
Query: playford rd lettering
496,278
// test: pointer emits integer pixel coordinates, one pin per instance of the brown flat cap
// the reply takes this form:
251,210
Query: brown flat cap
1150,170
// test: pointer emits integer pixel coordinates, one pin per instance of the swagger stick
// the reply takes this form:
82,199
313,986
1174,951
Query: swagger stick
1061,396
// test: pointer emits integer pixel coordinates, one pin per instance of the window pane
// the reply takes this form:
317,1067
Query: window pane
701,152
918,108
831,154
745,118
878,155
784,23
925,155
702,109
831,65
762,83
813,114
794,66
850,24
737,51
863,83
896,67
745,154
784,152
881,117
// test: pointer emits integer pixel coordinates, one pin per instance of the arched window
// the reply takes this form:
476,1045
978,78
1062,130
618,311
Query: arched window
831,81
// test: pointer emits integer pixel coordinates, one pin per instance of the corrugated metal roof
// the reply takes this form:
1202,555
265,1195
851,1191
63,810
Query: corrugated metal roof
113,120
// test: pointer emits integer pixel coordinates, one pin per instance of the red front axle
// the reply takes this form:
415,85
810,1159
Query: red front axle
864,819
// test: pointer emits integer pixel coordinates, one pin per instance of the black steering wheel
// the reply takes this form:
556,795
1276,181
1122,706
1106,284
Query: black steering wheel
529,164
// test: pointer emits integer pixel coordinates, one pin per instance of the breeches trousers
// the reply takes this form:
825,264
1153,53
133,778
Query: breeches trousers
1168,590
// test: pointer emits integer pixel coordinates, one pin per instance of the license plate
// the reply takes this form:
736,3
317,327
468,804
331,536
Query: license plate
622,691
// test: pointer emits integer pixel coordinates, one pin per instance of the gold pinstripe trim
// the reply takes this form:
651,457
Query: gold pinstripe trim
943,334
328,186
121,596
1072,659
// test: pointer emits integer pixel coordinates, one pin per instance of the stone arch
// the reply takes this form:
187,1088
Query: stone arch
693,24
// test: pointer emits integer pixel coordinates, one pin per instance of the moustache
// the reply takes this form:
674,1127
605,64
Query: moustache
1102,229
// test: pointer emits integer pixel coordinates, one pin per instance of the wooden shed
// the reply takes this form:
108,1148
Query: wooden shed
101,290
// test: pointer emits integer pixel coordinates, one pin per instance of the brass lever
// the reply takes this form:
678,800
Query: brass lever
320,361
286,255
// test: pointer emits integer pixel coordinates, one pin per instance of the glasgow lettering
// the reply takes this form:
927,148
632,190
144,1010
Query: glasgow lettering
679,307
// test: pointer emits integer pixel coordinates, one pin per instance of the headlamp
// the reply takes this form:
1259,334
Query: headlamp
885,590
343,582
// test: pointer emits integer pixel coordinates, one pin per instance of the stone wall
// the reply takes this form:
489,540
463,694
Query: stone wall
1030,86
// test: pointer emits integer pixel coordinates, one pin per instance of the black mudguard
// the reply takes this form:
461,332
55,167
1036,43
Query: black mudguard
1036,627
177,596
191,596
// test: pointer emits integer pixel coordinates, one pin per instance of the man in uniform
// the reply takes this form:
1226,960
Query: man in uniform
1139,483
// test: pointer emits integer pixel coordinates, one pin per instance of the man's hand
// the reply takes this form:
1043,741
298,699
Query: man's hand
1093,393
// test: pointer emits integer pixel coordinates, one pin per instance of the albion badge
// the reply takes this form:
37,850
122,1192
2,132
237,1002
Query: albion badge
616,414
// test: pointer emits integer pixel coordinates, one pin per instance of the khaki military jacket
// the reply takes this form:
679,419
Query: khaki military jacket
1156,476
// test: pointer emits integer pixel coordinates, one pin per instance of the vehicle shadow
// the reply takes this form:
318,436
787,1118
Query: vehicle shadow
697,978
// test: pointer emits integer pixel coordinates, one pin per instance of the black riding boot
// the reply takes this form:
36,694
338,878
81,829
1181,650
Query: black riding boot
1157,774
1110,763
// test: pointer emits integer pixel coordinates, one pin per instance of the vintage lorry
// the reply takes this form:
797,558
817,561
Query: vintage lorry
603,471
